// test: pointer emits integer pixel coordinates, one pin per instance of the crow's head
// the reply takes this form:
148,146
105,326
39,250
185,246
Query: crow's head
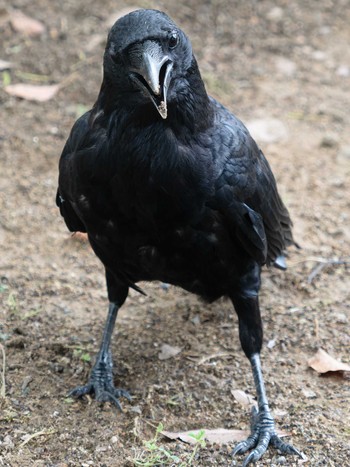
146,57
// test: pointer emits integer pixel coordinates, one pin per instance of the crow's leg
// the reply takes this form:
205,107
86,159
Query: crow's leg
263,433
101,383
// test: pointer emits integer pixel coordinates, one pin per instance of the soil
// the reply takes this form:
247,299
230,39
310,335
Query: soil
286,60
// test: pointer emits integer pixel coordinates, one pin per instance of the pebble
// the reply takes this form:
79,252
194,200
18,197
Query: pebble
136,409
281,460
343,71
309,394
168,351
344,154
329,141
196,320
285,66
275,14
341,318
271,344
318,55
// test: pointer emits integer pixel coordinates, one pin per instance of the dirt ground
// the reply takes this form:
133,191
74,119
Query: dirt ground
286,60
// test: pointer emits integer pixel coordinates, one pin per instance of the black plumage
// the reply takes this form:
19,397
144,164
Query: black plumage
170,186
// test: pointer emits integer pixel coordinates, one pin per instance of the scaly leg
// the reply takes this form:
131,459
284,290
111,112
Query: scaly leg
101,378
262,424
263,433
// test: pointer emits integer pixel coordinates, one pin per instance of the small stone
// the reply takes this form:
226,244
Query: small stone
114,439
344,154
271,344
309,394
329,141
8,442
101,448
168,351
281,460
341,318
343,71
285,66
196,320
136,409
275,14
318,55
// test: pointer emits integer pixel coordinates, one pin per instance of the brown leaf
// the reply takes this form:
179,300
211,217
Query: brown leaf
218,435
32,92
26,25
322,362
243,398
167,351
80,237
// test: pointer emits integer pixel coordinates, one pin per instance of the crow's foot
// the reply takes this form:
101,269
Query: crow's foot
101,385
262,435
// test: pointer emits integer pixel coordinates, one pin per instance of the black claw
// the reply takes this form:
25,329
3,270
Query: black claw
284,448
80,391
102,388
262,434
244,446
251,458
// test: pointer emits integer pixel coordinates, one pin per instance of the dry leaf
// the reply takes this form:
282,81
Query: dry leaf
32,92
243,398
80,237
167,351
322,362
26,25
218,435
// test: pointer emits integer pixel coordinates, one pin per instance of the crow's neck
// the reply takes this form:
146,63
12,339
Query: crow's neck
191,107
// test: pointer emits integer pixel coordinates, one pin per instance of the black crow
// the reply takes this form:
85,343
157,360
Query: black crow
170,186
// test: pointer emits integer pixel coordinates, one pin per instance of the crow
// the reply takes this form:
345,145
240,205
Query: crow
170,186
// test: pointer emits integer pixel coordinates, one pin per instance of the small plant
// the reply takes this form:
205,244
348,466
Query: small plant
155,455
82,354
12,302
3,287
31,313
200,443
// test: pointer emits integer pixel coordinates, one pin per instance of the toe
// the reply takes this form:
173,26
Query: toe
284,448
122,393
246,445
80,391
107,396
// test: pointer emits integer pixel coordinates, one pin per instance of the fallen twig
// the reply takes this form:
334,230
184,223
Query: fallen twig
210,357
3,371
324,263
43,432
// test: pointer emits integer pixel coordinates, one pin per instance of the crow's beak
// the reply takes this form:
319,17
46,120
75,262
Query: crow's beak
151,71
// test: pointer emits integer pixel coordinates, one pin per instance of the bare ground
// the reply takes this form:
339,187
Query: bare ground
52,292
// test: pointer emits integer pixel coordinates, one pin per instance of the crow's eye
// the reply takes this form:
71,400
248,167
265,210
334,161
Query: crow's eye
173,40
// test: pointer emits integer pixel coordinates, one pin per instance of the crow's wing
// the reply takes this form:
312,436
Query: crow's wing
246,191
68,183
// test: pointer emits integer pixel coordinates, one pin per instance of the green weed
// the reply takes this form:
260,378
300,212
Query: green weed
155,455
